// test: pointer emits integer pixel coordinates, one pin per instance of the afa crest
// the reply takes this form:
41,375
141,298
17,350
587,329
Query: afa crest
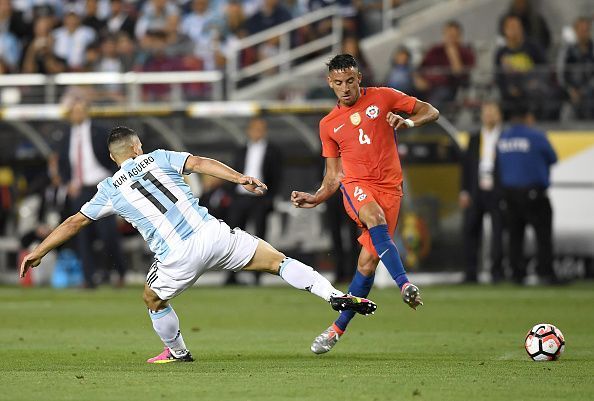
372,111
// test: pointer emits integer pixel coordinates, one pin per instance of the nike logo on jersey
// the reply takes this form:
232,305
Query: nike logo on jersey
337,128
383,253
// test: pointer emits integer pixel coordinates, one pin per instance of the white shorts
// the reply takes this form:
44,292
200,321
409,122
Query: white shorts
215,247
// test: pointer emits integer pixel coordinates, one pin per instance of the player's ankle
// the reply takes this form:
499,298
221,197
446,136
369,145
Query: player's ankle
338,329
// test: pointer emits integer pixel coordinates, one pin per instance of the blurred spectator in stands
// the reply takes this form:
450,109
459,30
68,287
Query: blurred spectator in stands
446,67
200,26
270,14
228,33
13,21
522,75
92,57
10,51
578,70
259,158
109,62
296,7
126,50
524,159
119,20
91,20
154,17
178,43
39,56
196,24
71,40
535,26
31,9
481,194
349,13
83,161
402,75
155,58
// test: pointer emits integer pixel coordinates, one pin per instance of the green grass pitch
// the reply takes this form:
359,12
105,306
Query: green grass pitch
466,343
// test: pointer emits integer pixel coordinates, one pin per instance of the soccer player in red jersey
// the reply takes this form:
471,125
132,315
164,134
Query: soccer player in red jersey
362,160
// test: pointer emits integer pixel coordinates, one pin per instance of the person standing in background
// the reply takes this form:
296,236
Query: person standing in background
82,162
258,158
524,159
481,194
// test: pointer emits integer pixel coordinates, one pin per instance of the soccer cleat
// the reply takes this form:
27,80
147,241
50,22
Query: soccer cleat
325,341
362,306
167,357
411,295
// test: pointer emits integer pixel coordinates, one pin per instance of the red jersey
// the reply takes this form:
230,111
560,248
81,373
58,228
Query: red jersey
362,137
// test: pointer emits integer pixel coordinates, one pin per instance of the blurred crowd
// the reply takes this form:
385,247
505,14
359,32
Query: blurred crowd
526,68
51,36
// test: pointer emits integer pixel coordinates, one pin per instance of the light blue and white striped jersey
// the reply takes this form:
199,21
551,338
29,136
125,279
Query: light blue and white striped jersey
151,194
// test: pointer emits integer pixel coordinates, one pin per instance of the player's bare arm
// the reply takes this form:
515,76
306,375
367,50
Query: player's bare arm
205,165
329,185
422,114
68,229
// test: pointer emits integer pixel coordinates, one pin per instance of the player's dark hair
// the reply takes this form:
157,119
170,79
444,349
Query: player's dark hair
119,133
342,62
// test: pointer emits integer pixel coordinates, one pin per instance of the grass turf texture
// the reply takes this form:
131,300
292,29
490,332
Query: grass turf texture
253,344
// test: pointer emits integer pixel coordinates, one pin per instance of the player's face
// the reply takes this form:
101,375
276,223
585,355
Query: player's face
345,84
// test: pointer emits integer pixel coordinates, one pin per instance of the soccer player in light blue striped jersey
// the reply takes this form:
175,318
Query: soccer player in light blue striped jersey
149,192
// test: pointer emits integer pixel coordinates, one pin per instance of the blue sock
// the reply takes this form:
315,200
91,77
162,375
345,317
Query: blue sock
388,253
360,287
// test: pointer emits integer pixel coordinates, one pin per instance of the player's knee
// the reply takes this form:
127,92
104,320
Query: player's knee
367,268
372,215
152,301
376,219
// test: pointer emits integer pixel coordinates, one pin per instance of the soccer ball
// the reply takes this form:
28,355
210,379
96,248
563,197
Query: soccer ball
544,342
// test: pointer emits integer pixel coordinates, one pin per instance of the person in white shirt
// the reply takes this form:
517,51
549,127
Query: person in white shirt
83,162
72,39
258,158
481,195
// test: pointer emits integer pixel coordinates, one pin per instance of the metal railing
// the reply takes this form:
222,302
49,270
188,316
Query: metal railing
132,82
287,55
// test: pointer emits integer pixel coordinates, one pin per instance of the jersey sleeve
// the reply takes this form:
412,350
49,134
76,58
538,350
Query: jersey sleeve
329,145
399,101
99,206
176,160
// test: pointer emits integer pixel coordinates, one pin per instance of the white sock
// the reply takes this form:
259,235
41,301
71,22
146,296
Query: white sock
166,324
303,277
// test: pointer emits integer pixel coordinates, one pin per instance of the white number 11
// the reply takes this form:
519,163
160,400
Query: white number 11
363,138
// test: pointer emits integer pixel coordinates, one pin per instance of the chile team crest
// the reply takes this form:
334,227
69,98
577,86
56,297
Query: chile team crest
372,111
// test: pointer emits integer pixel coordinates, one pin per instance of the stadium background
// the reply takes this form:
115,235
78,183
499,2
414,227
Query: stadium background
202,100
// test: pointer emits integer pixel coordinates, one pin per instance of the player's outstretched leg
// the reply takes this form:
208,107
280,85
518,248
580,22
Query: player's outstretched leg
166,325
304,277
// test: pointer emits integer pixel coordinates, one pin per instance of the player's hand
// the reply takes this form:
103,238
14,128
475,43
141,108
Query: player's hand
395,120
303,200
253,185
31,260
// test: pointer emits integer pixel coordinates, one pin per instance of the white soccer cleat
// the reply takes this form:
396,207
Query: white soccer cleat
325,341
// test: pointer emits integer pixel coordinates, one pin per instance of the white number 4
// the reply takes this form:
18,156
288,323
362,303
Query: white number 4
363,138
359,193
